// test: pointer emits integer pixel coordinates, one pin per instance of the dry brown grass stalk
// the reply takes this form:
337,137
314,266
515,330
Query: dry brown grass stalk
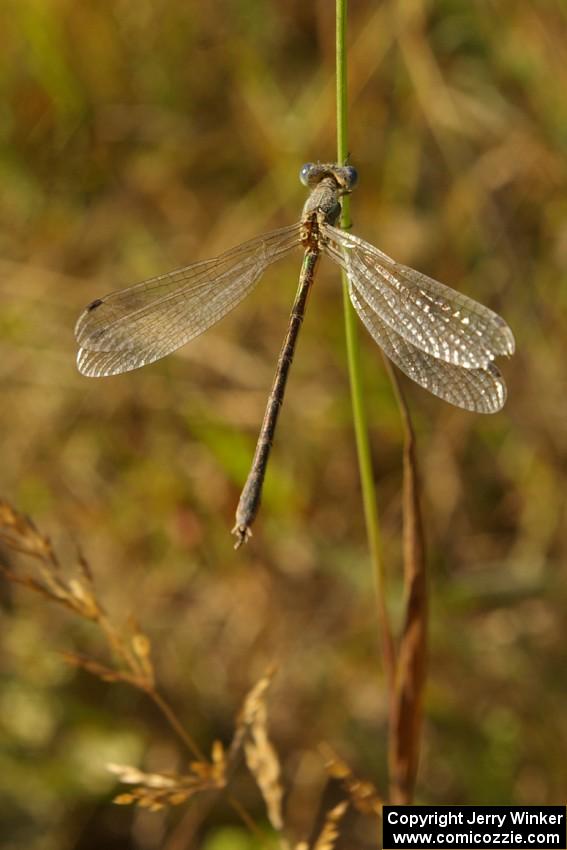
156,790
361,792
130,663
129,650
261,757
407,703
330,832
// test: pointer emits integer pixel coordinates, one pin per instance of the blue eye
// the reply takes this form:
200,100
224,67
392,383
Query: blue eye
304,172
351,176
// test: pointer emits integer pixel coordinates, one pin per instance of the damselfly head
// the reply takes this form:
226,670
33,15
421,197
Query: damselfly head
305,171
348,177
345,176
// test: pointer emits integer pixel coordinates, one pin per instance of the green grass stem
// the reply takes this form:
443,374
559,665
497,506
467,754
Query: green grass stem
354,369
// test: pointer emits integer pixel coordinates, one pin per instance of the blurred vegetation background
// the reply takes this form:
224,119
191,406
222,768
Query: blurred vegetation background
138,137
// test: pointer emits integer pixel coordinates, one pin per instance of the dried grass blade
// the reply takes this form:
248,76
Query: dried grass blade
154,791
362,793
261,756
19,533
330,832
407,705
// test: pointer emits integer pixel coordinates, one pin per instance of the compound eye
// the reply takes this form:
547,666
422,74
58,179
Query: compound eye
304,173
351,176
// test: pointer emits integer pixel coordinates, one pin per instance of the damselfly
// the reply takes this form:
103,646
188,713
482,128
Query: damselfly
443,340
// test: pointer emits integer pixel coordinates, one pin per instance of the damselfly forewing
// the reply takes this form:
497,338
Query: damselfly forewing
441,339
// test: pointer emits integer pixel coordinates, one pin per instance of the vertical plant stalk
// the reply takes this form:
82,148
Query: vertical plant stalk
353,358
411,669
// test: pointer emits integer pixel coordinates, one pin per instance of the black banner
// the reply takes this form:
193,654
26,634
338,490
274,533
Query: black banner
480,827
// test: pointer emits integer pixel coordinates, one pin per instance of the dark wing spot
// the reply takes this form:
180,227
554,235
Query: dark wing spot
94,304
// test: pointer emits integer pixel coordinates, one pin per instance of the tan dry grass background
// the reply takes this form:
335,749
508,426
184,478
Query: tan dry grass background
138,137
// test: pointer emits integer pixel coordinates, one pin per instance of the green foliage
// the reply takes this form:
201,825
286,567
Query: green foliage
231,838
